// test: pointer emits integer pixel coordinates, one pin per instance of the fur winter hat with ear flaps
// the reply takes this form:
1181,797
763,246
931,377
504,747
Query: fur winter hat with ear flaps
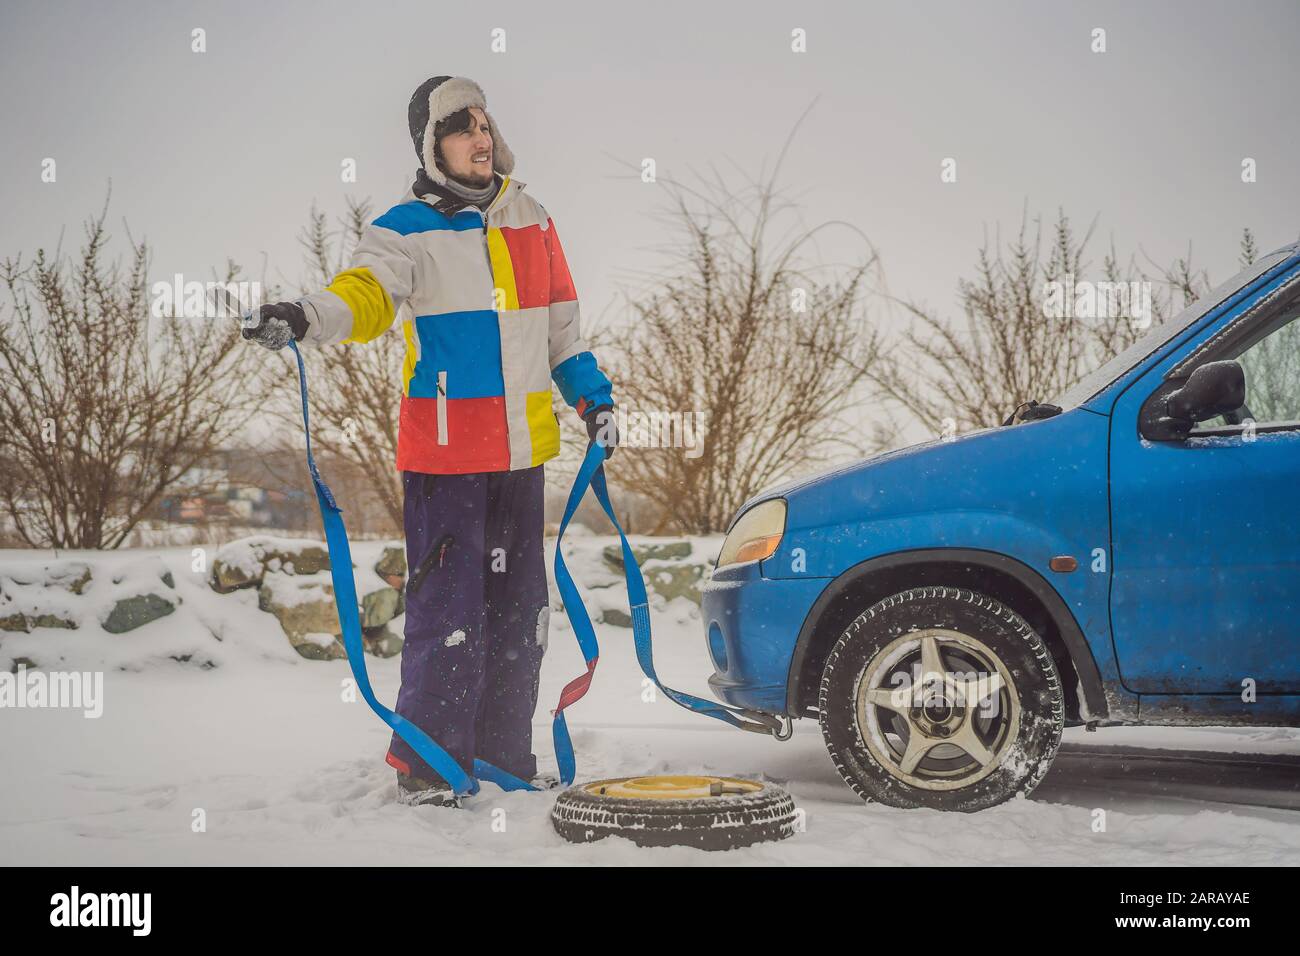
437,98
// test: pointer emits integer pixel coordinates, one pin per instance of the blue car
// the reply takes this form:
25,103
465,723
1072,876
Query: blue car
1128,554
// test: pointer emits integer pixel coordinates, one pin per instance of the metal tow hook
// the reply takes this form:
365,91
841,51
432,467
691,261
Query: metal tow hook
760,722
785,729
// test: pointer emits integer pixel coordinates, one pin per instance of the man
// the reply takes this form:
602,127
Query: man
474,267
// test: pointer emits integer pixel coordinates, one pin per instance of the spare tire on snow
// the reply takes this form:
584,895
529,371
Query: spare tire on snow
710,813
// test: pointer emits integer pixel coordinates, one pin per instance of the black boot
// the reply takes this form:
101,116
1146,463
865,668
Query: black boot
415,792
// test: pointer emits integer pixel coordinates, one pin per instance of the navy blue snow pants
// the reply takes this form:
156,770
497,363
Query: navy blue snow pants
476,617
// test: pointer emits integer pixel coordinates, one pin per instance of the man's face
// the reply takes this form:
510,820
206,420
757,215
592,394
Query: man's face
467,155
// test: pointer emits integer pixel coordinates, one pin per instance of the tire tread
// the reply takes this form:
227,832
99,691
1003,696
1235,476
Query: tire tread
931,592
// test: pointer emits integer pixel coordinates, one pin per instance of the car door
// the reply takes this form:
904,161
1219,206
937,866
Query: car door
1205,528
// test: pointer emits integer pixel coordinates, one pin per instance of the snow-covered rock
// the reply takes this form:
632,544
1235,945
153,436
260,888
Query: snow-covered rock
672,579
304,606
18,621
294,584
136,611
380,606
41,594
65,595
137,593
391,565
382,642
243,563
668,569
616,617
72,576
666,551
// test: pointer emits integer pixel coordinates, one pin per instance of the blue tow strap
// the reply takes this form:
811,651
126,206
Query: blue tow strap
590,474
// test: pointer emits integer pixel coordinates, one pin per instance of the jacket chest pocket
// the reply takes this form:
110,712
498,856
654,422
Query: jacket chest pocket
442,407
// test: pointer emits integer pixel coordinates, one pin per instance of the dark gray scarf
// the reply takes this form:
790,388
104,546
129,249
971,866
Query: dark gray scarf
456,195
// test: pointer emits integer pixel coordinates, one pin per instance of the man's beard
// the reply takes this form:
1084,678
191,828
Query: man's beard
475,179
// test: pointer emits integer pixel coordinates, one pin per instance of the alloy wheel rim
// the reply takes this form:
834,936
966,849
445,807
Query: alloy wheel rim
938,709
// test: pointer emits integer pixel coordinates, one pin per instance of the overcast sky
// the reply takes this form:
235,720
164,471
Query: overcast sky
222,153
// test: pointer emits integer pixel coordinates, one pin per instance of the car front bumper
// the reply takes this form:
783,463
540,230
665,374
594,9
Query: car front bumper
751,626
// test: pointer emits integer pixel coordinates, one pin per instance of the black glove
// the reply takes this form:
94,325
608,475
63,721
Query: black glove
271,326
600,421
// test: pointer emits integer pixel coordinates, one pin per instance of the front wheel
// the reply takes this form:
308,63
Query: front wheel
943,698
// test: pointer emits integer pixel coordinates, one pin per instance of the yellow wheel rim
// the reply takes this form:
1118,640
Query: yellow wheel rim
671,787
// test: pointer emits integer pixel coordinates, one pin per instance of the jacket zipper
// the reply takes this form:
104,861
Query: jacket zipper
487,254
438,551
442,375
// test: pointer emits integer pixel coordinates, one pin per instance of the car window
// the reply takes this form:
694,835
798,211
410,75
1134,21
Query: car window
1272,367
1273,375
1098,379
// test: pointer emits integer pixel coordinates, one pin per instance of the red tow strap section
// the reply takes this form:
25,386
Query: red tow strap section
576,688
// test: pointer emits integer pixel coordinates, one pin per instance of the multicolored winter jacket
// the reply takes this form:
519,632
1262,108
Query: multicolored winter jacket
490,317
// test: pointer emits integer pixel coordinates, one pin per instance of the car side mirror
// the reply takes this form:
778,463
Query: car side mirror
1215,388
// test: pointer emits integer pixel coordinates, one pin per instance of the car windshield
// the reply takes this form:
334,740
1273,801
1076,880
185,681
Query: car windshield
1097,380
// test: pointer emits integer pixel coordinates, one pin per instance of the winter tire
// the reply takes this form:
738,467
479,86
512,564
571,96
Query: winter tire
943,698
710,813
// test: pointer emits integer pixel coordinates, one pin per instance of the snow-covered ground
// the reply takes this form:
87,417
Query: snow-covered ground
286,771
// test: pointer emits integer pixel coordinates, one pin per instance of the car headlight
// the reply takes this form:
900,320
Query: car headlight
756,535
